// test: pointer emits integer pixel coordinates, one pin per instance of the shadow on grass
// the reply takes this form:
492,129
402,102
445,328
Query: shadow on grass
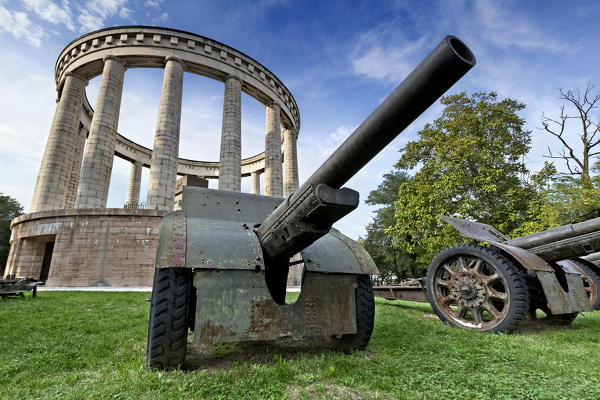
224,356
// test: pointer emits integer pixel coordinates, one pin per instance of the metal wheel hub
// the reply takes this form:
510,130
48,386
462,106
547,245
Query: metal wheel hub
468,291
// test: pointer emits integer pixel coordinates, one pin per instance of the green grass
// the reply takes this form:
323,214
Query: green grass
75,345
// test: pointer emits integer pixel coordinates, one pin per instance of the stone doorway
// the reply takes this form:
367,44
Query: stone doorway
46,261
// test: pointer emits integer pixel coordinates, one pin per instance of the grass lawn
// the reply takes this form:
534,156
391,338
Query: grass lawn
75,345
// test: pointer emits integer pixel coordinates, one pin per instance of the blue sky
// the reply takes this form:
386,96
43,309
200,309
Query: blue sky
338,58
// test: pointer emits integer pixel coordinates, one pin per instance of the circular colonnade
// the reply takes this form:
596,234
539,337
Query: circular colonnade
69,237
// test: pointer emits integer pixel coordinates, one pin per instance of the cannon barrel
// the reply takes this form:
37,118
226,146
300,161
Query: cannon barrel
309,212
567,241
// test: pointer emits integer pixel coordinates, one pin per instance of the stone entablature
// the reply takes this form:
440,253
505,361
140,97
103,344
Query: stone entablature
147,47
132,151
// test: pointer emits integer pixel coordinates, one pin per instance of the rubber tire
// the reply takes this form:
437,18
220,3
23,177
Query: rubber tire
595,280
168,324
365,317
518,312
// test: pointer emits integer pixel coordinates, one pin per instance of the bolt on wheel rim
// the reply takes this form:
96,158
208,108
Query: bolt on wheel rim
471,292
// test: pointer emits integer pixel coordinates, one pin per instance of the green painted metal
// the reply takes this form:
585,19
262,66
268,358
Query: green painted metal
236,306
337,253
217,230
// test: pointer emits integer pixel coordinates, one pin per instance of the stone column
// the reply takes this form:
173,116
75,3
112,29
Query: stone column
163,167
255,183
230,161
100,150
290,162
53,178
135,180
273,173
75,168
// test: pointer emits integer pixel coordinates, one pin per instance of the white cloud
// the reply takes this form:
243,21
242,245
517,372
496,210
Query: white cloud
161,18
385,54
90,22
94,13
104,8
20,26
504,28
153,3
125,12
51,12
385,63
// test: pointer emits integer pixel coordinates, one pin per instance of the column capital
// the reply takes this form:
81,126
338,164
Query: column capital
173,58
273,103
76,75
115,58
291,129
232,76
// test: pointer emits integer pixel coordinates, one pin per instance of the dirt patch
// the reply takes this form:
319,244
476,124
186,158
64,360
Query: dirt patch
331,391
222,356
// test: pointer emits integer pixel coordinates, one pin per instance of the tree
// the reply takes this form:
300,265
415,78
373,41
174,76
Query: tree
9,209
580,112
393,263
471,165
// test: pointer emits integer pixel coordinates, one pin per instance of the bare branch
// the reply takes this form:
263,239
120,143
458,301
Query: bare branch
584,104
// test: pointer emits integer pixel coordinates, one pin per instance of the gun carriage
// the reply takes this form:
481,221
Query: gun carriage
498,287
223,259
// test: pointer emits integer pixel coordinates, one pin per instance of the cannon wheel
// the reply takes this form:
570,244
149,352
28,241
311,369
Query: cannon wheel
365,317
591,283
475,287
168,324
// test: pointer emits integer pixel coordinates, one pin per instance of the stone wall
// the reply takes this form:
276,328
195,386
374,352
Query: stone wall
108,246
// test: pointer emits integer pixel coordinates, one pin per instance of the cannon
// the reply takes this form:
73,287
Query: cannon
223,259
500,286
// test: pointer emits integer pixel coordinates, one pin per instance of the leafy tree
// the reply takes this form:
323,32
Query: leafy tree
541,213
471,167
560,199
9,209
393,262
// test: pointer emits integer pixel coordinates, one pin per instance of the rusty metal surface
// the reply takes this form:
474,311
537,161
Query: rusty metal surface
568,233
489,234
220,228
475,230
413,290
594,258
569,267
178,241
337,253
172,241
16,286
227,206
236,306
560,301
165,243
575,246
525,258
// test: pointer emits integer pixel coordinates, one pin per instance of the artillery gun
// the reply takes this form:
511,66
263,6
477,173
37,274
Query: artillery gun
497,288
223,259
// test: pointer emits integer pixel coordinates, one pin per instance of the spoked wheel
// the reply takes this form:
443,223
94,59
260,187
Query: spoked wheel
365,318
591,283
168,325
474,287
